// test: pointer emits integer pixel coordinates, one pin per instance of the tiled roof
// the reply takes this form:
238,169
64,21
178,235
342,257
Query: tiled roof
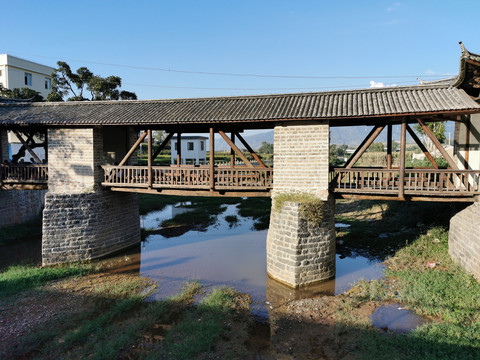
394,101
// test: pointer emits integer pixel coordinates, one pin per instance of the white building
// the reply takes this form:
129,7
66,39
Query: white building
193,150
19,73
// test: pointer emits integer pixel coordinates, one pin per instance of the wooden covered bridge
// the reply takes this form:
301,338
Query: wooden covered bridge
90,147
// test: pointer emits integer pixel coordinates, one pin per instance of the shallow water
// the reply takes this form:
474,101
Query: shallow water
225,255
396,318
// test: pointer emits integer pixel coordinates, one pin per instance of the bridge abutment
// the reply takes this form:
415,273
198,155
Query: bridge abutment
301,247
81,220
464,239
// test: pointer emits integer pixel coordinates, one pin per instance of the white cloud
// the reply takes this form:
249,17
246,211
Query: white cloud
430,72
374,84
394,6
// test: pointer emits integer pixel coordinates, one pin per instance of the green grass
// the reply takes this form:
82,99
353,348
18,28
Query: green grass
25,277
201,326
445,294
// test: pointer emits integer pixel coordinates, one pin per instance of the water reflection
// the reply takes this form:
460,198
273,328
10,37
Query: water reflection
395,318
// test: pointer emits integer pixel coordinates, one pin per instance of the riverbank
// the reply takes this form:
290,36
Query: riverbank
104,309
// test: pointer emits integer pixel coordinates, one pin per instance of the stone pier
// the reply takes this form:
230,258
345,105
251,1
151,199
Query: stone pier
464,239
81,220
301,252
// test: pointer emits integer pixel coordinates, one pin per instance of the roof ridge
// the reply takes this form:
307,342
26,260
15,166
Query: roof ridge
241,97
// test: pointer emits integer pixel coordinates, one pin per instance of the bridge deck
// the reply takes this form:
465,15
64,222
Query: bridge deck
366,183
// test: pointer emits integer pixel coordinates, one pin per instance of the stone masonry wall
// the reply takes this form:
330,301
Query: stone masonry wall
73,156
301,159
18,206
81,220
464,239
298,252
89,225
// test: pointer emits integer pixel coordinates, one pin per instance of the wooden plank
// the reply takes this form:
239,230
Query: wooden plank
149,158
437,144
364,146
162,145
29,149
250,150
403,144
407,198
422,147
236,149
212,159
133,148
243,193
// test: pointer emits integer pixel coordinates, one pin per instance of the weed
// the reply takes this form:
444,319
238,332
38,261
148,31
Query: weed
311,207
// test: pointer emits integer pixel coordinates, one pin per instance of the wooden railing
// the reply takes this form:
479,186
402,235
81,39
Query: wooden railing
421,182
23,174
189,177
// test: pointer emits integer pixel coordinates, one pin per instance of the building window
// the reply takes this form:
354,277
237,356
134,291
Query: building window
175,146
190,146
28,79
48,83
202,145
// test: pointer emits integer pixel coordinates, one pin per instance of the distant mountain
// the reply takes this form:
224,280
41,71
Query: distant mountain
348,135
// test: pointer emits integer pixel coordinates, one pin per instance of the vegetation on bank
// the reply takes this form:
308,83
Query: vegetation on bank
114,321
422,277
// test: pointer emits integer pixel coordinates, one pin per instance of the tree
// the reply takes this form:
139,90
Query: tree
23,93
376,147
266,148
68,83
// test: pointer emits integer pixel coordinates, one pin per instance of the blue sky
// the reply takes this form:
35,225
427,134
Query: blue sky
301,38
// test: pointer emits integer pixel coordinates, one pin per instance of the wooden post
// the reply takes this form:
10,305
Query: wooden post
389,146
149,158
232,153
179,149
212,160
467,142
403,143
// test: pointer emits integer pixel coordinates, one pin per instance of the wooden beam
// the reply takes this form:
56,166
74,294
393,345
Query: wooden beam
232,153
466,199
250,150
439,146
29,149
162,145
364,146
467,142
389,146
149,159
132,150
219,193
403,144
179,149
235,148
422,147
212,159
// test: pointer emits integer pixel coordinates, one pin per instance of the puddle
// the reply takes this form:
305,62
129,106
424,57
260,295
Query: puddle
396,318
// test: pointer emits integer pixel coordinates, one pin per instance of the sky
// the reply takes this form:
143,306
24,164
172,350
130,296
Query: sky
170,49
